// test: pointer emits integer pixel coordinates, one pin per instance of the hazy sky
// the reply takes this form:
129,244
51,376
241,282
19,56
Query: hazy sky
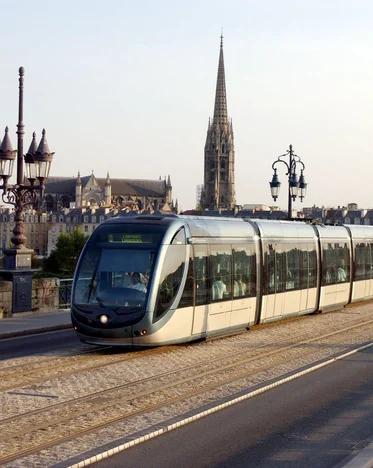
128,87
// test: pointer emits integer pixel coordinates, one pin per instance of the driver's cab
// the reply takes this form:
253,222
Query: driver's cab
126,289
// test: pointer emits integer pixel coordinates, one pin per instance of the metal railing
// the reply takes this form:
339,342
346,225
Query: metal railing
64,294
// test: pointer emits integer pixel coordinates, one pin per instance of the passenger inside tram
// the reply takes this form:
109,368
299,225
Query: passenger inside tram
341,273
219,288
331,275
239,286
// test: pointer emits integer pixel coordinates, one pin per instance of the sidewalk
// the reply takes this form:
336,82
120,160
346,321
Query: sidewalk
36,323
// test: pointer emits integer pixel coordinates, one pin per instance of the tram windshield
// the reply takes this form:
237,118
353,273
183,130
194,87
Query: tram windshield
115,270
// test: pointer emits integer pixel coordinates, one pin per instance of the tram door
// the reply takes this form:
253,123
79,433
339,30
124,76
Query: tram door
202,289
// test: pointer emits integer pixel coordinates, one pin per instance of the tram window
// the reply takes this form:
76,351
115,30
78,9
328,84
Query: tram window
280,276
179,237
275,262
269,270
336,263
201,274
171,275
303,273
342,262
312,266
361,256
329,265
220,261
188,293
244,271
369,261
292,272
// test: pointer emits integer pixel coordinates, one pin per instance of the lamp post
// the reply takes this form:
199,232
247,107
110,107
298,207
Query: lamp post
37,161
297,187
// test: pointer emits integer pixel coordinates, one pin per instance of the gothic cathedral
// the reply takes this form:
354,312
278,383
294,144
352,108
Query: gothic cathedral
218,188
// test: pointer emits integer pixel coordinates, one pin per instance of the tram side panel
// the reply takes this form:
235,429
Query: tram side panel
230,269
290,270
290,279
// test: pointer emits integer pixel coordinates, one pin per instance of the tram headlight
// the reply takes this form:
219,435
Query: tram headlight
144,332
104,319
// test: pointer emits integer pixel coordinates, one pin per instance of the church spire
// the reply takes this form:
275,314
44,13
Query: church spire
219,187
220,110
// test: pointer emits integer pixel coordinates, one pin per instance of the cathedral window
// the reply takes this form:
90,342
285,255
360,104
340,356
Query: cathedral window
75,219
86,229
68,219
223,148
102,219
86,219
93,219
53,219
5,219
61,219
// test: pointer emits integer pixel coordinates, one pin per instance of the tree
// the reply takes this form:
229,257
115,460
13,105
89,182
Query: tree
63,259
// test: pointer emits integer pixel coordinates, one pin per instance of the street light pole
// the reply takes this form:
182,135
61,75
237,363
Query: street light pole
38,161
295,187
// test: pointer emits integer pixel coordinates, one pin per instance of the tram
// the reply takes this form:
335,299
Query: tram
152,280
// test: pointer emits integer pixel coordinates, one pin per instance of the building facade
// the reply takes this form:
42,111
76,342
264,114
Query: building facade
219,182
89,191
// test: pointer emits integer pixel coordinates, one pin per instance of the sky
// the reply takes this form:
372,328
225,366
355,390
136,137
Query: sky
128,87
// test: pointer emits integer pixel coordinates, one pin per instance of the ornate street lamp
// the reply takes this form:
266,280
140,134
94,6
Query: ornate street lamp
37,161
296,187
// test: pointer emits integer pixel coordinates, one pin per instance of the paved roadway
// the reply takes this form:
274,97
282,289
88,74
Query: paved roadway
320,420
35,344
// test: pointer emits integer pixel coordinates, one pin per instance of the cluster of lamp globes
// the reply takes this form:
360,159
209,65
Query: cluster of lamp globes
38,159
297,187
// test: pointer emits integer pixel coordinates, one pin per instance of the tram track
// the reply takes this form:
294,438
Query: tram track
19,376
33,373
144,395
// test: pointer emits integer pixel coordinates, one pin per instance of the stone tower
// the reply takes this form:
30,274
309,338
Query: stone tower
107,193
78,192
218,188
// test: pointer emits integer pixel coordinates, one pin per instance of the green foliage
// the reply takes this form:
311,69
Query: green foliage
62,261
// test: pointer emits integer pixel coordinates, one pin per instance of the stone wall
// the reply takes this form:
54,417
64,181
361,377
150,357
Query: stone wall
44,296
6,288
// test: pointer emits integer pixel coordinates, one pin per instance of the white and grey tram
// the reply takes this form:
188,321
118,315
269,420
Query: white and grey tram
156,280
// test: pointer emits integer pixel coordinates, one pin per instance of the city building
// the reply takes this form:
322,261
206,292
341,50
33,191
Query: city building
78,192
219,183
